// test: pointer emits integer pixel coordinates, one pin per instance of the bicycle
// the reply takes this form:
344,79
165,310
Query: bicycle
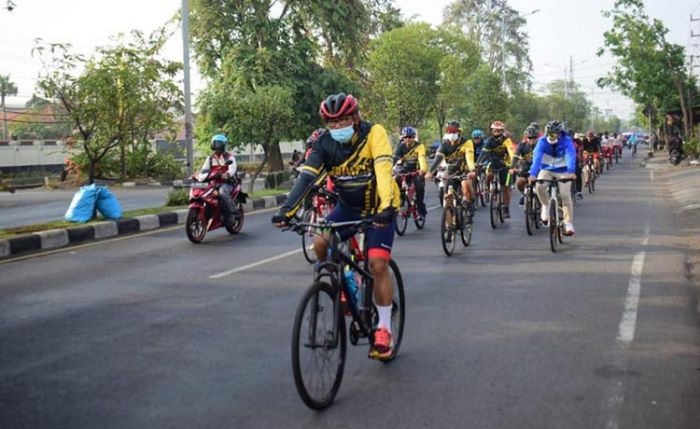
532,209
479,192
589,173
409,205
322,204
319,323
556,212
455,216
495,191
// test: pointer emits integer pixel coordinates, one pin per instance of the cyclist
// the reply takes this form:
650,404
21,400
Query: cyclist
458,153
578,145
522,160
618,143
555,157
356,154
218,169
409,157
591,145
498,150
477,141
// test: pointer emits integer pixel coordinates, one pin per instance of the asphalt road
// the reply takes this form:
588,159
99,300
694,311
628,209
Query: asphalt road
504,334
26,207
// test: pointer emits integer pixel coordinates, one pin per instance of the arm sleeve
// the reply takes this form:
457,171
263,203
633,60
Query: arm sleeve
508,143
422,160
536,159
436,162
570,156
204,171
469,155
380,150
232,167
309,174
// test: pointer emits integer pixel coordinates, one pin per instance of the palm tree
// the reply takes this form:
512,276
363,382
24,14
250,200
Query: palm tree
6,88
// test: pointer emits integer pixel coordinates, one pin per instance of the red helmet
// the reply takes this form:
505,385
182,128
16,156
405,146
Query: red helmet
498,125
338,105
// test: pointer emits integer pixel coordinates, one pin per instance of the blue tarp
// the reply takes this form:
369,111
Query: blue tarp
83,204
107,204
92,197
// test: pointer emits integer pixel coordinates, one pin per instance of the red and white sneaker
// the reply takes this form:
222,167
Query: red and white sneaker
383,346
569,229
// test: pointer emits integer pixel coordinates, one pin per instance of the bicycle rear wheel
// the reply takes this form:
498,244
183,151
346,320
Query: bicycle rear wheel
418,220
318,353
447,231
501,206
402,216
480,193
398,309
307,239
553,225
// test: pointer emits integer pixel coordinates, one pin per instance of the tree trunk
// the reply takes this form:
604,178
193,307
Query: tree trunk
91,172
4,119
274,156
122,159
251,186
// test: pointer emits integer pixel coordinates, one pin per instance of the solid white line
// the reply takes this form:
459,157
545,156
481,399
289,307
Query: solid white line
254,264
628,322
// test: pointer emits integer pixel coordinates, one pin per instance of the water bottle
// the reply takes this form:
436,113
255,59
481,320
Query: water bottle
352,285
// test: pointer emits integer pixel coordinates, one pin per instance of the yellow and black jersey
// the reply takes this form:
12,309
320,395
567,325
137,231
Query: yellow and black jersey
412,157
360,171
497,150
458,156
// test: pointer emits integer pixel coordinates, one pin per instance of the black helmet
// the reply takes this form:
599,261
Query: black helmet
553,127
535,125
338,105
531,132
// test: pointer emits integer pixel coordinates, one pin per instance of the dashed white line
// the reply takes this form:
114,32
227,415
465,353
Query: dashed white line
254,264
628,322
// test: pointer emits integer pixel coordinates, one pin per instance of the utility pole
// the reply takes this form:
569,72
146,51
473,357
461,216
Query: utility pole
186,69
503,51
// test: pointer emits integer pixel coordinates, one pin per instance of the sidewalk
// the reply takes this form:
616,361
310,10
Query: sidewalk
682,185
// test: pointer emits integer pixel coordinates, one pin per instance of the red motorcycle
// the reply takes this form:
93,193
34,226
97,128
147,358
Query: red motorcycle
204,213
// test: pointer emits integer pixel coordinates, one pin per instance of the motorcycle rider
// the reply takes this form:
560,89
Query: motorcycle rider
220,167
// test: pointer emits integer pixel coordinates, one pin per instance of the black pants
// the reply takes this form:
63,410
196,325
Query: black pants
228,206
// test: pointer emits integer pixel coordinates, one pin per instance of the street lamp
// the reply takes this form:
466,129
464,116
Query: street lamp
186,70
503,44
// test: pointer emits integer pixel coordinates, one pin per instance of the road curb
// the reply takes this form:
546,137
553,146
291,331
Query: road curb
65,237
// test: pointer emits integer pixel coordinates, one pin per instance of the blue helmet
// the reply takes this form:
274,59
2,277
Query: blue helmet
477,133
218,142
408,132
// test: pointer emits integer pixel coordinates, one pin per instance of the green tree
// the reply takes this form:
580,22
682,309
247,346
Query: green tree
523,109
7,88
246,116
498,29
403,70
41,120
120,99
487,101
650,70
566,102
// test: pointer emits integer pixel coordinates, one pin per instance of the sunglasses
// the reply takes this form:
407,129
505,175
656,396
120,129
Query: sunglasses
409,137
553,135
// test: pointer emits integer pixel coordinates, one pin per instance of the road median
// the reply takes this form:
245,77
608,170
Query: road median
57,238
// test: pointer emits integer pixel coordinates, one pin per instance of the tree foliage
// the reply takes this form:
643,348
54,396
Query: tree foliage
498,29
650,70
7,88
118,98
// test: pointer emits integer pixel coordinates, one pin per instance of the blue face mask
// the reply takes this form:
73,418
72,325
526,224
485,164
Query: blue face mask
343,135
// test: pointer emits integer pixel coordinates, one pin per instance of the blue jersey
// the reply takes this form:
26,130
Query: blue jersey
557,158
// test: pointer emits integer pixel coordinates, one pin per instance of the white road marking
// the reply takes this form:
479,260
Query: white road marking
628,322
651,174
254,264
270,259
616,390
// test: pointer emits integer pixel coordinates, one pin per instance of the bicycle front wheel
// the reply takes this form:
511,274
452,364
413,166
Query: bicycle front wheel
447,230
318,353
493,204
529,208
553,225
402,216
465,227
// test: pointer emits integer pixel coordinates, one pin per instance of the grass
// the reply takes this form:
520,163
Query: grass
28,229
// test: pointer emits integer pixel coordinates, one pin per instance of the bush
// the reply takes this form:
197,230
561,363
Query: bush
178,197
692,148
274,180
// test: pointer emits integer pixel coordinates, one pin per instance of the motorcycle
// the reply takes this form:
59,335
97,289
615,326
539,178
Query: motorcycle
204,211
675,157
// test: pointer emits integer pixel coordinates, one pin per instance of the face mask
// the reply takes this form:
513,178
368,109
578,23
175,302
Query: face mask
343,135
453,137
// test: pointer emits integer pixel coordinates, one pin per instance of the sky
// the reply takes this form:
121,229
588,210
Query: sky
561,32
